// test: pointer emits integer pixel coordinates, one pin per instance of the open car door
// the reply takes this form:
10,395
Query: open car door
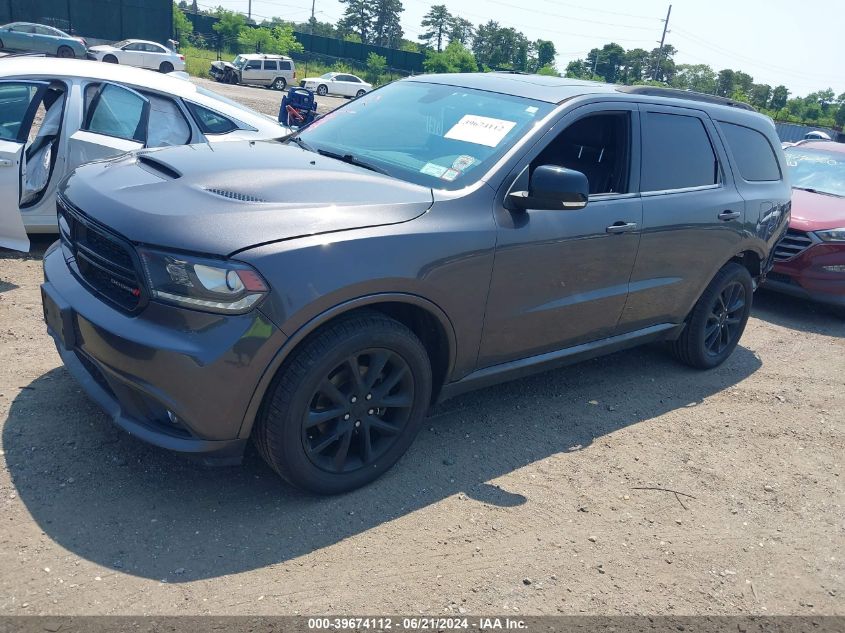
115,122
19,102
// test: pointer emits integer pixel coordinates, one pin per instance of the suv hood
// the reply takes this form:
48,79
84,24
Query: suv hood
816,211
223,198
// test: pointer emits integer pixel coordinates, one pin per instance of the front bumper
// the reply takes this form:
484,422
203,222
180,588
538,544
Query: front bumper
808,275
175,378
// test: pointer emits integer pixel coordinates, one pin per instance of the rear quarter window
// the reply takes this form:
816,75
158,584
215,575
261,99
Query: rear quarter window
676,153
753,154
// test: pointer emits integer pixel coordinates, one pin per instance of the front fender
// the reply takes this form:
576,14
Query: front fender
324,317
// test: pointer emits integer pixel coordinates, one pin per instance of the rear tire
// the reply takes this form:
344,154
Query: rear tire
66,52
279,83
718,319
166,67
346,405
322,90
360,94
110,59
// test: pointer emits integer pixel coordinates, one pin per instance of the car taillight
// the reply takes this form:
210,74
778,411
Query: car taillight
294,75
182,57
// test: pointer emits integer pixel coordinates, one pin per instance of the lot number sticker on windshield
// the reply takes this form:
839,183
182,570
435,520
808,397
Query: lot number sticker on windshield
480,130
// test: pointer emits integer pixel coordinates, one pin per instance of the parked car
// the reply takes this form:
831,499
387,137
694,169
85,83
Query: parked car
271,71
342,84
58,114
139,53
40,38
810,260
444,233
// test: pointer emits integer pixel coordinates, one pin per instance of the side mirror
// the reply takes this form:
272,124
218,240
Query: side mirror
554,188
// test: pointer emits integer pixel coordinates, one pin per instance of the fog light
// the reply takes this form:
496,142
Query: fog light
837,268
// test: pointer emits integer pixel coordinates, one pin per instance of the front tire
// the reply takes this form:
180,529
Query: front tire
110,59
65,52
346,405
718,319
322,90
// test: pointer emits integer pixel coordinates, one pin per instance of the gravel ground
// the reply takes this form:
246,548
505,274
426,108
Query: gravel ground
262,99
522,499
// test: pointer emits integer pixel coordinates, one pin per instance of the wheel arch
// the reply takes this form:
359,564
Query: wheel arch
752,260
423,317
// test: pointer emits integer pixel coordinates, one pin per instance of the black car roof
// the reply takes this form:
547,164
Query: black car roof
559,89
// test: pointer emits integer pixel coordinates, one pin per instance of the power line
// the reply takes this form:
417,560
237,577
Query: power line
619,13
573,19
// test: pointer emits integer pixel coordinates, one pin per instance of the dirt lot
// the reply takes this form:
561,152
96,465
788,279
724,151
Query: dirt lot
262,99
520,499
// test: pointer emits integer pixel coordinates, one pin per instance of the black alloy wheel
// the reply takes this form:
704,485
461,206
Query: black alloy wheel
723,323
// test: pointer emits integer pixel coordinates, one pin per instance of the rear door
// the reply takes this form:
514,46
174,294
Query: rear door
153,56
18,103
693,215
115,122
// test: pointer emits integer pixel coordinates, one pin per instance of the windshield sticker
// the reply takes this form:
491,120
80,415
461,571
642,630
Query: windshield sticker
531,109
450,174
432,169
480,130
463,161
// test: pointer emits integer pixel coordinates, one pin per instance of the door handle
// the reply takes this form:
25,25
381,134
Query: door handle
729,215
621,227
5,163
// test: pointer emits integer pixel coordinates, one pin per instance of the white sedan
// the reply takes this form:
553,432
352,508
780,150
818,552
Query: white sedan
337,84
139,53
57,114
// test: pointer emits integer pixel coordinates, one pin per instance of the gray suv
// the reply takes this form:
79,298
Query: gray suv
440,234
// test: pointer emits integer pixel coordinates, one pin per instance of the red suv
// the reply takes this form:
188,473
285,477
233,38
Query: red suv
810,260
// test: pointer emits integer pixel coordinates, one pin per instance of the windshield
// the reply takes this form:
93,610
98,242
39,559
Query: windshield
816,169
121,43
327,75
239,61
439,136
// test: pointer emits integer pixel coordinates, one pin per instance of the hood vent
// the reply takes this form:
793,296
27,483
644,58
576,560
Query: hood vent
234,195
157,166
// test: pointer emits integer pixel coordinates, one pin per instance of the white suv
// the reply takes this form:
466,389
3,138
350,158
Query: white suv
273,71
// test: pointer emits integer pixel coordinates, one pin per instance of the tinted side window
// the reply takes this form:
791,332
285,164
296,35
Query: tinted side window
253,65
676,153
209,121
271,65
284,65
752,152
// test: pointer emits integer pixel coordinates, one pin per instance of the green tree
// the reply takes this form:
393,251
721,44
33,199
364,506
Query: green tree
228,26
461,30
548,69
376,67
455,58
387,29
662,63
635,65
182,26
315,27
278,40
760,95
607,61
839,116
357,19
542,54
725,83
697,77
779,96
437,22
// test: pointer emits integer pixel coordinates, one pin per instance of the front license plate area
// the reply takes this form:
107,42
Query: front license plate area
58,315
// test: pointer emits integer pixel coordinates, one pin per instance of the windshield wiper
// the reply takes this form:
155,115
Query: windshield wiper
301,143
819,191
352,160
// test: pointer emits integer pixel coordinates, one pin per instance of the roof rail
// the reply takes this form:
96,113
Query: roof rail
689,95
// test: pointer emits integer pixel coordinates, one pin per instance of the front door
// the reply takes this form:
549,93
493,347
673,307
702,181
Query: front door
19,101
560,277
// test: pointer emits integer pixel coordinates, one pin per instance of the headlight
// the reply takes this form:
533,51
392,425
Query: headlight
212,285
832,235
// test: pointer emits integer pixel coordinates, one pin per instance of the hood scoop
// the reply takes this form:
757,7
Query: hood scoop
233,195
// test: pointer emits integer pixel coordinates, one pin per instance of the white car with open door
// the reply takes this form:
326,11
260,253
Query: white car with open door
138,53
342,84
56,115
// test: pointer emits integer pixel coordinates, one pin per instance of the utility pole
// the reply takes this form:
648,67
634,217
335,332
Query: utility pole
662,40
310,37
249,11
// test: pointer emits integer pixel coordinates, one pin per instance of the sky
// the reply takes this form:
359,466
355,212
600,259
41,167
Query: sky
775,41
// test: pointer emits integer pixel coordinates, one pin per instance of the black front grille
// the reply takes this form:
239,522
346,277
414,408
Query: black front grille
104,261
792,244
